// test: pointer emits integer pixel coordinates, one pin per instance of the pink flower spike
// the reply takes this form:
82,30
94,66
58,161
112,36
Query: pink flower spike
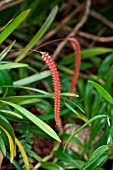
57,87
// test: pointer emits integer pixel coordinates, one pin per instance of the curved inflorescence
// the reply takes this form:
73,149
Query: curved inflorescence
56,82
76,46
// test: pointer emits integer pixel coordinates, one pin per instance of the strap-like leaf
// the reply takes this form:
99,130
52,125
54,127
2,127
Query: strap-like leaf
10,28
11,143
47,129
102,91
39,34
23,154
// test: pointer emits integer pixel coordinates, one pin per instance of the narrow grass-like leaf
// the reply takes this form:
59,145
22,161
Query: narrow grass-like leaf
95,155
1,29
33,78
102,91
12,65
6,50
29,88
39,34
18,167
70,108
5,80
87,99
28,101
109,80
94,132
47,129
88,53
7,126
11,113
68,158
51,166
69,94
69,101
25,97
65,69
99,162
11,143
2,146
10,28
23,154
104,67
35,156
41,91
74,140
87,123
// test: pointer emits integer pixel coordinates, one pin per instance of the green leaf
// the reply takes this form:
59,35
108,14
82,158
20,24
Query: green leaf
23,154
75,105
35,155
12,65
74,140
87,99
81,87
10,28
4,137
39,34
51,166
18,167
67,158
11,143
87,53
6,50
7,126
87,123
95,155
96,104
2,146
109,80
69,94
29,88
47,129
11,113
110,134
104,67
28,96
102,91
70,108
99,162
94,132
5,80
68,59
3,28
33,78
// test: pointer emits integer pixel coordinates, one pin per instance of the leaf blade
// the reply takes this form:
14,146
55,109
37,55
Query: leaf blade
47,129
39,34
10,28
102,91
